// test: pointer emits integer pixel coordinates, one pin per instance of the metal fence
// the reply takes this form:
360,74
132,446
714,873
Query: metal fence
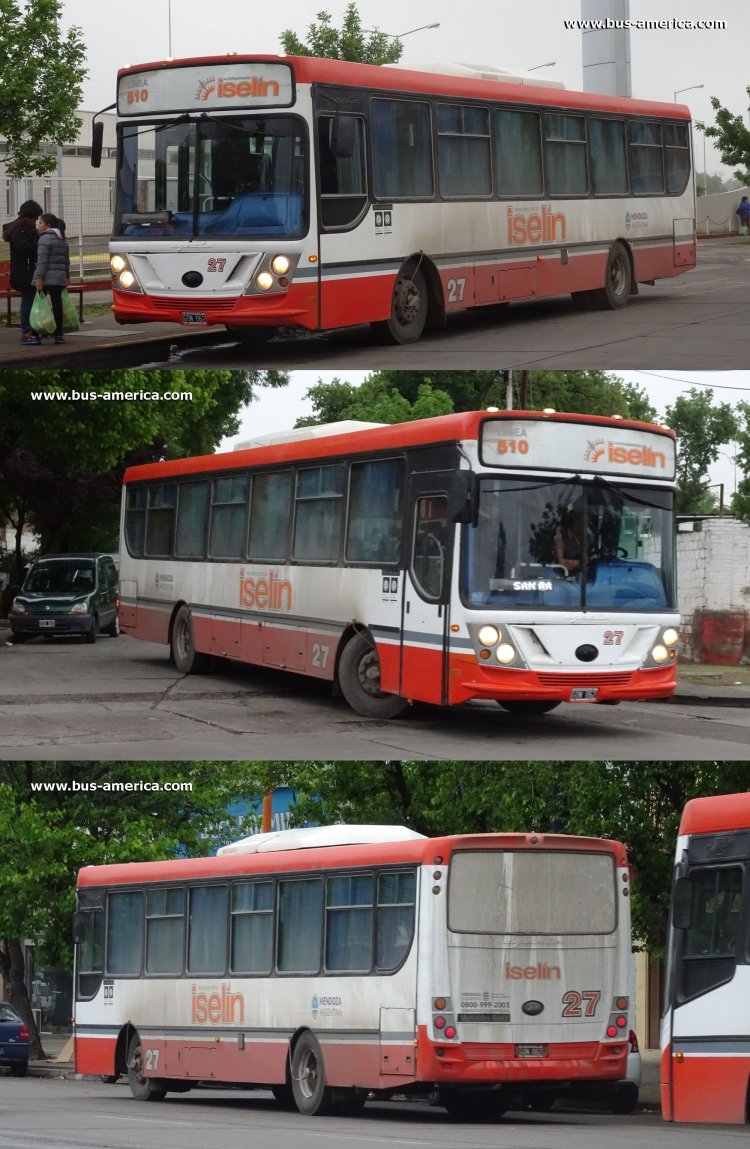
87,207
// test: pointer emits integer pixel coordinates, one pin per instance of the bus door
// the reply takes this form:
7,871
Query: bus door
425,613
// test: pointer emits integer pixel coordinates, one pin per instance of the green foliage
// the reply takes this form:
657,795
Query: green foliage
638,804
352,42
702,428
397,396
41,75
62,461
741,501
732,139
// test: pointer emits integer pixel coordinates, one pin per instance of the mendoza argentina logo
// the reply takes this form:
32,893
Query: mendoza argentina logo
265,590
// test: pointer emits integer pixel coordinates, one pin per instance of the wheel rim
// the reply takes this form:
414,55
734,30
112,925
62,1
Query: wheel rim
182,639
406,301
368,674
309,1074
618,276
136,1065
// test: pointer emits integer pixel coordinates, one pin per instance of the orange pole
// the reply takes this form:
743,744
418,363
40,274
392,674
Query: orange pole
267,812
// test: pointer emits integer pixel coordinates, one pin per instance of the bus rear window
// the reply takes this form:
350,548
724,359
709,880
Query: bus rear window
531,892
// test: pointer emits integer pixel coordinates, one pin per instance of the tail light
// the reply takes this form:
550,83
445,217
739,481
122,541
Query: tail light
23,1034
633,1041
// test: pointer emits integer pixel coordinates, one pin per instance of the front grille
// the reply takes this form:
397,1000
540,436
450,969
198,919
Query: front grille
616,678
192,304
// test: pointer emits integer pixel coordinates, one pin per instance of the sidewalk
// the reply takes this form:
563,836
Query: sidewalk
99,332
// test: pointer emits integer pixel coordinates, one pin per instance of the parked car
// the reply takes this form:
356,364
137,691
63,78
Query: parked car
619,1096
14,1041
67,594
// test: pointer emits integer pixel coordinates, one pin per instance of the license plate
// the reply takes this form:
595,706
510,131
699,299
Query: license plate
584,694
194,318
531,1051
47,623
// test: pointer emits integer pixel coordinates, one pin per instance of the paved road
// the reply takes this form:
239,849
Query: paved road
48,1113
696,321
123,700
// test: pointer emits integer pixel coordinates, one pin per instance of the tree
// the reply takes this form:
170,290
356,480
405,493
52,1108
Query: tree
702,427
741,499
62,457
732,139
57,817
353,42
413,395
638,804
42,70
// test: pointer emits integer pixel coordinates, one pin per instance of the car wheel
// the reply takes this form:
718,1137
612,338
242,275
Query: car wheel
113,630
182,645
142,1088
91,632
19,1070
312,1096
359,679
409,309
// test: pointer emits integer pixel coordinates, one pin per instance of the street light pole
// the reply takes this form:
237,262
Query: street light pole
400,35
690,89
536,67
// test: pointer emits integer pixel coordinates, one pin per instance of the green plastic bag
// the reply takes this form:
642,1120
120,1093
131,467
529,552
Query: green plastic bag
41,318
70,315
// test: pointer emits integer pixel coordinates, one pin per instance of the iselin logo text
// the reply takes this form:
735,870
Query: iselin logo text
539,972
251,86
635,456
543,226
265,591
220,1006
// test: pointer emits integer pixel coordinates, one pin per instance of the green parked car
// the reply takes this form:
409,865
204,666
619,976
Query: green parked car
67,594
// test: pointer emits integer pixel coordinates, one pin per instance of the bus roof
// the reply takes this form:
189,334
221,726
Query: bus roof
420,432
715,813
313,70
417,851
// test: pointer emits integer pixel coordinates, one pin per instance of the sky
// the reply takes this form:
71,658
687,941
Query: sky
279,409
497,33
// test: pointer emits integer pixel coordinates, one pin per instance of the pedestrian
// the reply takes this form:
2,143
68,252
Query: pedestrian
743,211
52,270
22,238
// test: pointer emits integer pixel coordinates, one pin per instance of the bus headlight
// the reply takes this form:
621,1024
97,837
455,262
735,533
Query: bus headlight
123,276
126,279
660,653
118,264
273,273
505,653
264,280
280,265
488,635
670,637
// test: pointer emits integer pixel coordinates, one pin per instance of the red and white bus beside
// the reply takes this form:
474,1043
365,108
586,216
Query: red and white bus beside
328,963
261,192
705,1059
525,557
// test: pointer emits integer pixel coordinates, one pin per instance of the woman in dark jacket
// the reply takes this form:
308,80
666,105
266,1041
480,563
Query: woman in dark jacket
52,270
22,238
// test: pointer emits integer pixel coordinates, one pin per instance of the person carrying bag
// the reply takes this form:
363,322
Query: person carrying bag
52,270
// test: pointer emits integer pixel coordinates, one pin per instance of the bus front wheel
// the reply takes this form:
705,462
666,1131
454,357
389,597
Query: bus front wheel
142,1088
359,679
526,706
618,280
182,650
409,309
311,1095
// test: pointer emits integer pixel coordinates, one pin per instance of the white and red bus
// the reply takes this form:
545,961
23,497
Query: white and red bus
705,1059
328,963
525,557
261,192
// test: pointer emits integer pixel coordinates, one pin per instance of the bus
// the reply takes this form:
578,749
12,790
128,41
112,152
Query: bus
334,962
705,1038
267,192
431,561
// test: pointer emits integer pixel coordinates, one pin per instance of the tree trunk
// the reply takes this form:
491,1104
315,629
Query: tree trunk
19,996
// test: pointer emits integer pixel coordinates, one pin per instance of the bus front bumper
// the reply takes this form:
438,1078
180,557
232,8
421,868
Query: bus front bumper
470,680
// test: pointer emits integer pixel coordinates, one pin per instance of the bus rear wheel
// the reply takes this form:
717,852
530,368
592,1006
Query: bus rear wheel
409,309
618,280
182,650
359,679
142,1088
526,706
311,1095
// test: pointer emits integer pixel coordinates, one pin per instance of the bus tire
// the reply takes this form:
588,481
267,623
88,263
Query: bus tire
312,1096
618,279
526,706
142,1088
359,679
182,650
409,309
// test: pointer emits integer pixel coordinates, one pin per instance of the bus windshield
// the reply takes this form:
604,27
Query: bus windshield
241,177
569,545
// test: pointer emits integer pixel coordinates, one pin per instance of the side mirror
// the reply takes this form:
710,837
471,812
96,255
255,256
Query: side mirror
97,137
343,138
682,903
463,500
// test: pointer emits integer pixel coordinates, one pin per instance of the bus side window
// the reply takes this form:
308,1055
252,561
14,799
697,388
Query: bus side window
430,544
